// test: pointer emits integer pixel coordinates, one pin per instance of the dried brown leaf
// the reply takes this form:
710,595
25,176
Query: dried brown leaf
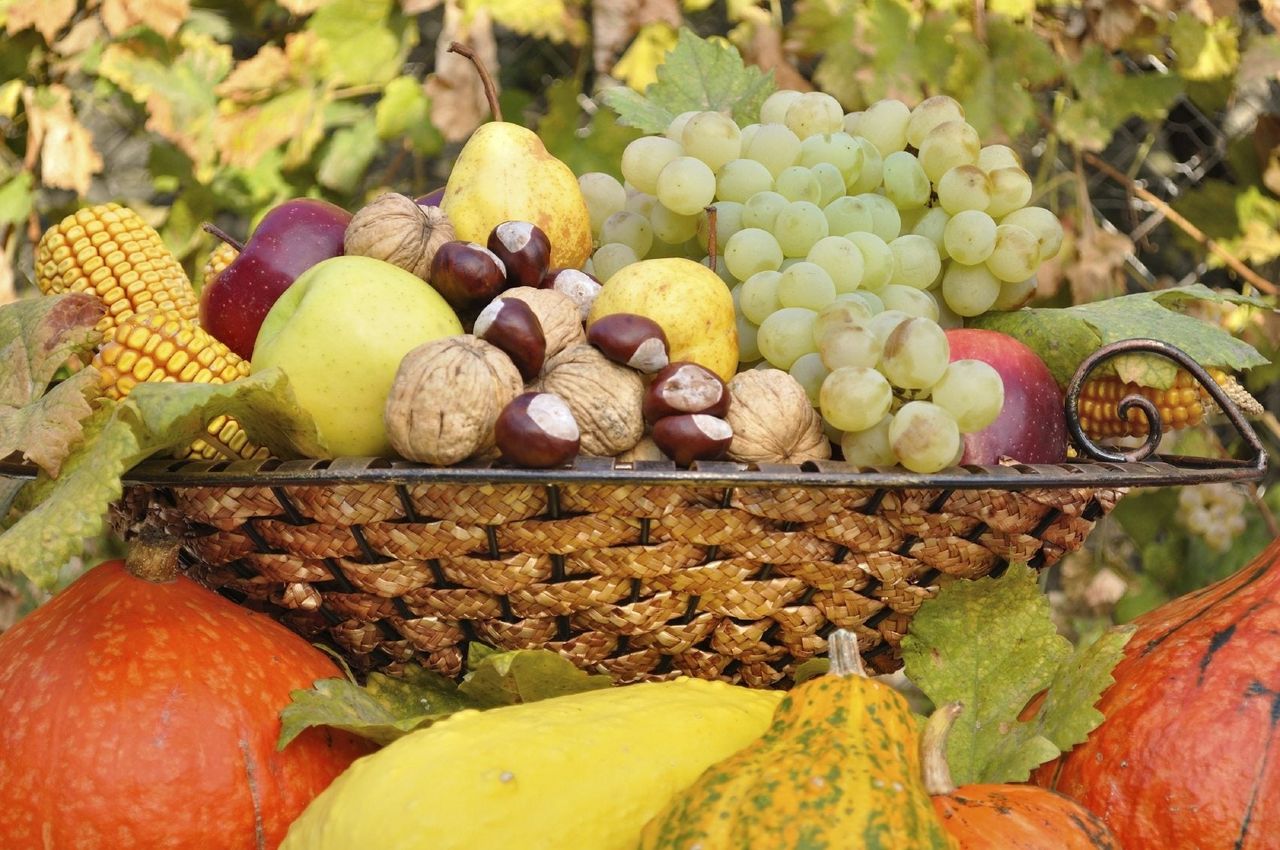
614,23
1114,21
48,17
256,77
163,16
68,159
1098,271
82,35
458,103
765,49
1271,12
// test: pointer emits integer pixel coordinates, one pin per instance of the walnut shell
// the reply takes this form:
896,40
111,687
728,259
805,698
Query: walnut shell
446,398
605,398
557,313
772,419
395,228
646,449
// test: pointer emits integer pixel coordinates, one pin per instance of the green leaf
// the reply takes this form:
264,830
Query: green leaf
1106,97
16,197
348,155
554,20
1205,51
1063,337
526,675
596,147
365,44
697,75
996,81
404,110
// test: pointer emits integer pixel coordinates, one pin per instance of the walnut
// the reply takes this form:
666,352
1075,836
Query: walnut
557,313
395,228
446,398
646,449
605,398
772,420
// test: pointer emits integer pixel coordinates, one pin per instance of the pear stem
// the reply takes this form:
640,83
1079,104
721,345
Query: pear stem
490,90
933,749
219,233
711,238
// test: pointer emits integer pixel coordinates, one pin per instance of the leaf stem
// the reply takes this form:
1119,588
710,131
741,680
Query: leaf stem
490,90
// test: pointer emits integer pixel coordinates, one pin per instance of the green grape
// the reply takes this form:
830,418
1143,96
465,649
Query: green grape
849,345
886,221
761,209
675,130
799,227
775,146
924,437
992,157
830,183
849,213
873,302
775,106
838,314
719,268
884,124
929,113
965,187
841,258
1010,190
947,145
797,183
747,133
759,296
604,196
970,237
728,222
916,261
877,259
1014,295
814,113
641,203
870,174
883,323
644,158
672,228
810,373
713,138
853,398
870,446
972,392
786,335
905,182
969,290
851,122
1044,224
838,149
916,354
947,318
1016,253
932,225
806,284
751,250
686,185
909,300
630,229
611,258
739,179
748,345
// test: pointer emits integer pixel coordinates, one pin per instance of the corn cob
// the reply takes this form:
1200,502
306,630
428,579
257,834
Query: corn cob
163,345
218,260
109,251
1183,405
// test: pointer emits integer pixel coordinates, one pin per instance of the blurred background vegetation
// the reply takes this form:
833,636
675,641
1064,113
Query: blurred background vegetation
1152,128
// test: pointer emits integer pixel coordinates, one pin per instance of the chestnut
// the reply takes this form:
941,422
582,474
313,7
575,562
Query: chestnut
685,387
537,430
630,339
692,436
577,284
511,325
466,273
524,249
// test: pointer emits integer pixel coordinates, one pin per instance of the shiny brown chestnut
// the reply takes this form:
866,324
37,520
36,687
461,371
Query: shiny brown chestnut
524,249
630,339
577,284
467,274
692,436
685,387
511,325
537,430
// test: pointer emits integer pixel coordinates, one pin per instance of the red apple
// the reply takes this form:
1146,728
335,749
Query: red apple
1032,426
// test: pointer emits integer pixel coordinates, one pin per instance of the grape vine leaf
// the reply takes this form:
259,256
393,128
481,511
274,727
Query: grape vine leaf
997,665
1106,98
1063,337
48,17
697,74
597,147
1205,51
163,16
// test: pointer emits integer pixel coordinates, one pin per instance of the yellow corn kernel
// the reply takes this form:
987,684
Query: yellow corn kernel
218,260
1183,405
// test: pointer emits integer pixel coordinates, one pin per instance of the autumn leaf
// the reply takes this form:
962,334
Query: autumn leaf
638,66
1098,271
614,23
302,7
554,20
68,159
47,17
163,16
458,103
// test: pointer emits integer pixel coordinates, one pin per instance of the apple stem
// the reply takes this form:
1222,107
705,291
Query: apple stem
221,234
490,90
711,238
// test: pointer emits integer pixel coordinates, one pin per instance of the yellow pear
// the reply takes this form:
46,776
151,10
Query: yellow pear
504,173
689,302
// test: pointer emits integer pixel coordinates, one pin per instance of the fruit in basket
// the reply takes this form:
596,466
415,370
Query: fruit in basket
1031,426
578,771
394,228
605,397
292,237
446,398
524,250
577,284
221,257
339,333
688,437
682,388
511,325
635,341
772,419
504,173
1183,758
467,274
557,314
109,251
537,430
140,710
839,765
1182,405
690,303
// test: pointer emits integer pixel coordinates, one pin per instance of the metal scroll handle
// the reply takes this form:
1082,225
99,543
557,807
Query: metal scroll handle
1155,428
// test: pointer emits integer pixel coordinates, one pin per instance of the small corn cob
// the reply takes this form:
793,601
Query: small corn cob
218,260
1183,405
163,345
108,250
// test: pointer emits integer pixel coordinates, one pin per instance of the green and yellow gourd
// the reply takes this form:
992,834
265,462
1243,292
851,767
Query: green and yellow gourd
839,768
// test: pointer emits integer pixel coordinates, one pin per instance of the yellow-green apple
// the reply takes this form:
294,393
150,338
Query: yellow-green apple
339,333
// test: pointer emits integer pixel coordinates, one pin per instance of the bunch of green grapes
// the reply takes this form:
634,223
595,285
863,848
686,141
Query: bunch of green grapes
1214,512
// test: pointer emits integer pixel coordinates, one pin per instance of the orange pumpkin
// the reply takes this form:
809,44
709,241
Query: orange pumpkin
1008,816
142,713
1189,755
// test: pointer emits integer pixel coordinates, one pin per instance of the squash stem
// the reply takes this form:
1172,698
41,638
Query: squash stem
842,649
933,749
486,80
153,556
